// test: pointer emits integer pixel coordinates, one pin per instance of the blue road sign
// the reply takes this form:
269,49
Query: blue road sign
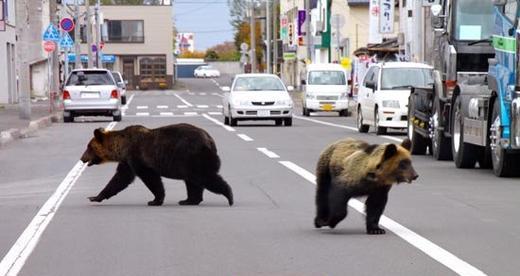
51,34
67,24
66,41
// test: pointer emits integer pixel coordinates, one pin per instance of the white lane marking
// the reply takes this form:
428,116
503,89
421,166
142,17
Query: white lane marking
190,113
228,128
182,106
215,113
202,94
125,107
163,116
142,107
191,93
245,137
142,114
436,252
166,113
162,106
217,94
202,106
345,127
183,100
267,152
14,260
219,106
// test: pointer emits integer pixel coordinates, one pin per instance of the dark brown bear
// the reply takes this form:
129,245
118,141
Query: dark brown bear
352,168
180,151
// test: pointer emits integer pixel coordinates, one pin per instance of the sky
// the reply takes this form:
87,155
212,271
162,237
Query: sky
208,19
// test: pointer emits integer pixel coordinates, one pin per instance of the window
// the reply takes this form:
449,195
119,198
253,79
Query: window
369,75
258,84
125,31
510,10
402,78
90,78
153,67
473,20
326,78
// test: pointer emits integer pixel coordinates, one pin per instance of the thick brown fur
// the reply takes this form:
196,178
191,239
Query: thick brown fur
353,168
180,151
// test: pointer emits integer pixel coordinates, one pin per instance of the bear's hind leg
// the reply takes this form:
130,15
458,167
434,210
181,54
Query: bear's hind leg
375,205
322,199
338,199
153,181
194,194
123,177
218,185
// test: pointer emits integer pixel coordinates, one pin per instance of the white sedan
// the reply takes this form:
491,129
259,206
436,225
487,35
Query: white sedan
257,97
206,71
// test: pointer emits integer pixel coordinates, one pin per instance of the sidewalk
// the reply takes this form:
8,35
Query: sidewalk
12,127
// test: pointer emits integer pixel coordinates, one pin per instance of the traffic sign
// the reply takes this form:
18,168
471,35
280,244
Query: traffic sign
94,48
67,24
51,34
49,46
244,46
66,41
101,45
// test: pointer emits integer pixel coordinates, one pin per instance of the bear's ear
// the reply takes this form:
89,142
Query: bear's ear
390,151
407,144
99,134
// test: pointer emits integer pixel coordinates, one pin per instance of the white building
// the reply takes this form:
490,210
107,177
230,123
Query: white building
8,86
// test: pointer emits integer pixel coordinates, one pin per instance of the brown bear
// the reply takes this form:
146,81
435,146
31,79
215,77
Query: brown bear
352,168
180,151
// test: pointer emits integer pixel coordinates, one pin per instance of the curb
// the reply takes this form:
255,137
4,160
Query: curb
12,134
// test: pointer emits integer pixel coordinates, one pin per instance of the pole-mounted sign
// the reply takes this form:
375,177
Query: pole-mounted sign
67,24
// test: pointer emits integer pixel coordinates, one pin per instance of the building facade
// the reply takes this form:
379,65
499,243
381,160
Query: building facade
8,86
138,42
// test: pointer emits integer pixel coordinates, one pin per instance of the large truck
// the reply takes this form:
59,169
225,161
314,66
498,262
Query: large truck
471,112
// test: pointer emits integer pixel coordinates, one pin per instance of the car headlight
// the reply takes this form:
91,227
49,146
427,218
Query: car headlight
284,102
310,96
391,103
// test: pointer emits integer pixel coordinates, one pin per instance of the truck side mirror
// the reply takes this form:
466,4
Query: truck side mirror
437,18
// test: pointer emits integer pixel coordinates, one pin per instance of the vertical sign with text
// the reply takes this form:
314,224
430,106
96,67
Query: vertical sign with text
386,16
373,31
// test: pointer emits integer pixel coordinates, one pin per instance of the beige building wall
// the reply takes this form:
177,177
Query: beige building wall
8,86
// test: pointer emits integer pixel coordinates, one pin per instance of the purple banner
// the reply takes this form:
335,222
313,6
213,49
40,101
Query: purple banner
301,21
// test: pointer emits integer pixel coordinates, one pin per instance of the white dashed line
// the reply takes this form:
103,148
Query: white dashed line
183,100
142,114
219,106
245,137
162,106
228,128
434,251
125,107
142,107
202,106
14,260
166,113
182,106
215,113
217,94
267,152
202,94
190,113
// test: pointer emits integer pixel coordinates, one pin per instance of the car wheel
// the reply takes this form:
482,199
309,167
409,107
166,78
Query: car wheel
379,130
232,122
343,113
226,120
123,100
117,118
287,121
68,119
359,122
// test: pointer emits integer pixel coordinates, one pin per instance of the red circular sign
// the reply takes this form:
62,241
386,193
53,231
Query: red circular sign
49,46
67,24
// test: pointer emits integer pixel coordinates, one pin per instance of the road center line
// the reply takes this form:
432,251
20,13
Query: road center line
436,252
228,128
345,127
14,260
267,152
183,100
245,137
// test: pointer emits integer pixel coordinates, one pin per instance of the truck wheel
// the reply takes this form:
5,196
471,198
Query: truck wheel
464,154
503,161
343,113
359,122
419,143
441,145
68,119
379,130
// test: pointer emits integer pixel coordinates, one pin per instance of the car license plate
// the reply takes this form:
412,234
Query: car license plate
263,113
327,107
89,95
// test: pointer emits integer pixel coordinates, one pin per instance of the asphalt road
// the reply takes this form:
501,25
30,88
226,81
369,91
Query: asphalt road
448,222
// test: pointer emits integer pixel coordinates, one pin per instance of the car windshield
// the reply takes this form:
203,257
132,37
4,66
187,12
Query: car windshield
90,78
258,84
326,78
473,20
399,78
117,77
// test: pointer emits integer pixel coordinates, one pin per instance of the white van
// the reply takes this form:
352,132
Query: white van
326,89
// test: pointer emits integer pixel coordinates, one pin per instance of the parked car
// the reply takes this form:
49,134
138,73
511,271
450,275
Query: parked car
382,100
326,89
121,83
257,97
206,71
91,92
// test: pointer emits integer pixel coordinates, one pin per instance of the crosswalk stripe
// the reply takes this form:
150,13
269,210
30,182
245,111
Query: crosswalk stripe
166,113
142,114
162,106
142,107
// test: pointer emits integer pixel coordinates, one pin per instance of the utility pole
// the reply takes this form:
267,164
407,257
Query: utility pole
77,38
275,36
252,37
268,35
89,34
23,29
55,75
98,36
308,35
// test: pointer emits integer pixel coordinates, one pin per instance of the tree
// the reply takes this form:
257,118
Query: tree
238,10
226,51
211,55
